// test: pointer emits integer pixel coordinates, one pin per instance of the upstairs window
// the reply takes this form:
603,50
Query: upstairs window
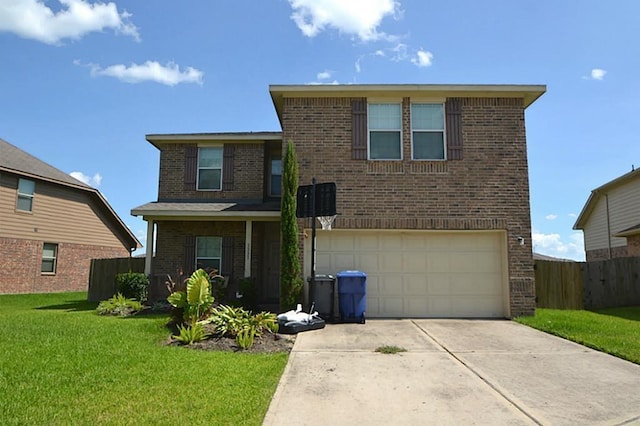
385,131
210,169
427,131
275,177
49,257
209,252
26,188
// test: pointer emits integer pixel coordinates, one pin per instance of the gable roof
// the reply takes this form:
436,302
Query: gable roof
16,161
529,93
597,193
13,159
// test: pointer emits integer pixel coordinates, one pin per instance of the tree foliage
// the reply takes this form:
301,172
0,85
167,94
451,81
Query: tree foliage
291,282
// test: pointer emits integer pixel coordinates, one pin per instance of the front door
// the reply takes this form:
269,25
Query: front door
270,293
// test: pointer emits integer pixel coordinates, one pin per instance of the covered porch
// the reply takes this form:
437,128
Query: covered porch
242,241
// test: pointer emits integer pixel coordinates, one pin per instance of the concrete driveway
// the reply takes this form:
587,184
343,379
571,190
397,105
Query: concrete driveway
454,372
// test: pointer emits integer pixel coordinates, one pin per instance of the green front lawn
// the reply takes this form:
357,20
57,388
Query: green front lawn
61,363
615,331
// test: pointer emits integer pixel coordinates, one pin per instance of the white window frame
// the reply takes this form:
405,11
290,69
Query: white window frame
399,104
443,131
217,147
25,196
54,258
197,258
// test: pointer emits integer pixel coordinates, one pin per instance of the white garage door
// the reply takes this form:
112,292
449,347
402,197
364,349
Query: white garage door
420,273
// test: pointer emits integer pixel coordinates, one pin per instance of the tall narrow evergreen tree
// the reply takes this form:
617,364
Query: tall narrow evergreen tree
291,282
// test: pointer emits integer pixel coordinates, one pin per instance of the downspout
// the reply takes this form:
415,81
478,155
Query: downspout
606,199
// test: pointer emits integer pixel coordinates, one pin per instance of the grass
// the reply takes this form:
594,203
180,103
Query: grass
390,349
615,331
63,364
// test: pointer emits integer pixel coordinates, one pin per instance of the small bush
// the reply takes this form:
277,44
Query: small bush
191,334
242,324
133,285
119,305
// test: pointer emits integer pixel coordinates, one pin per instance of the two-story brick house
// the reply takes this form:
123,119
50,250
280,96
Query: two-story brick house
51,226
432,196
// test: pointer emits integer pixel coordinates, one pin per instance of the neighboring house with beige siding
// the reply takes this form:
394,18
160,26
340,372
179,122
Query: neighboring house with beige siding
610,219
51,226
432,195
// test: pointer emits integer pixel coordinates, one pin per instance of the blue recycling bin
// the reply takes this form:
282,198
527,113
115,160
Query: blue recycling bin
352,291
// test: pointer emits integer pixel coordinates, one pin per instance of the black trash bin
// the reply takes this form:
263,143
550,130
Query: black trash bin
352,290
321,295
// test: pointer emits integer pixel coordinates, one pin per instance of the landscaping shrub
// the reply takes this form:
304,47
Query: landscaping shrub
133,285
119,305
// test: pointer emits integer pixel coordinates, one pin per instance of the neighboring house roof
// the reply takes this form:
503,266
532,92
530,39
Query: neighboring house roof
16,161
527,92
199,209
597,193
160,139
538,256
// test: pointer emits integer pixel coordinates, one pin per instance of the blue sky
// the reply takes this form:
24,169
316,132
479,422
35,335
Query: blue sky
82,82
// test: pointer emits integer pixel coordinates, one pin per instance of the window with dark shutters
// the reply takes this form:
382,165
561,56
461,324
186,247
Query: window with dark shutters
228,155
190,167
453,111
226,269
359,129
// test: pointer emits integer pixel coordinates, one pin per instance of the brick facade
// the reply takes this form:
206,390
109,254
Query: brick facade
20,268
488,189
248,174
170,248
632,249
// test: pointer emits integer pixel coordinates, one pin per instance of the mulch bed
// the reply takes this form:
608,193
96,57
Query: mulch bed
267,343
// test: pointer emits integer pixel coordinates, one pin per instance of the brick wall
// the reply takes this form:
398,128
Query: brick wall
248,174
170,249
631,249
488,189
21,261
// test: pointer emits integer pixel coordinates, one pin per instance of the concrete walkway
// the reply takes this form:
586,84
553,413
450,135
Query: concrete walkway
454,372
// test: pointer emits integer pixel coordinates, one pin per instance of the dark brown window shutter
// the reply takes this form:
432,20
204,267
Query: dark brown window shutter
190,167
226,268
188,265
228,153
453,110
359,129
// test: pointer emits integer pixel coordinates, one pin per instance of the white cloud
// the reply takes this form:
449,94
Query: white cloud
572,215
422,58
571,247
33,19
324,75
169,74
398,53
551,217
359,18
597,73
94,180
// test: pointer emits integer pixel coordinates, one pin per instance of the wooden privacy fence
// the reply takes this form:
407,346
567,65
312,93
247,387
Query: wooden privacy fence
102,275
592,285
559,285
612,283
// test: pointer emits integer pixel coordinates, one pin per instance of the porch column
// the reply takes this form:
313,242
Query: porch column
247,248
149,248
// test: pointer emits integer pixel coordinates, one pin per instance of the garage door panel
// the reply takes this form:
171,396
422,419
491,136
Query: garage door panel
391,262
414,262
415,285
438,261
422,273
368,262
